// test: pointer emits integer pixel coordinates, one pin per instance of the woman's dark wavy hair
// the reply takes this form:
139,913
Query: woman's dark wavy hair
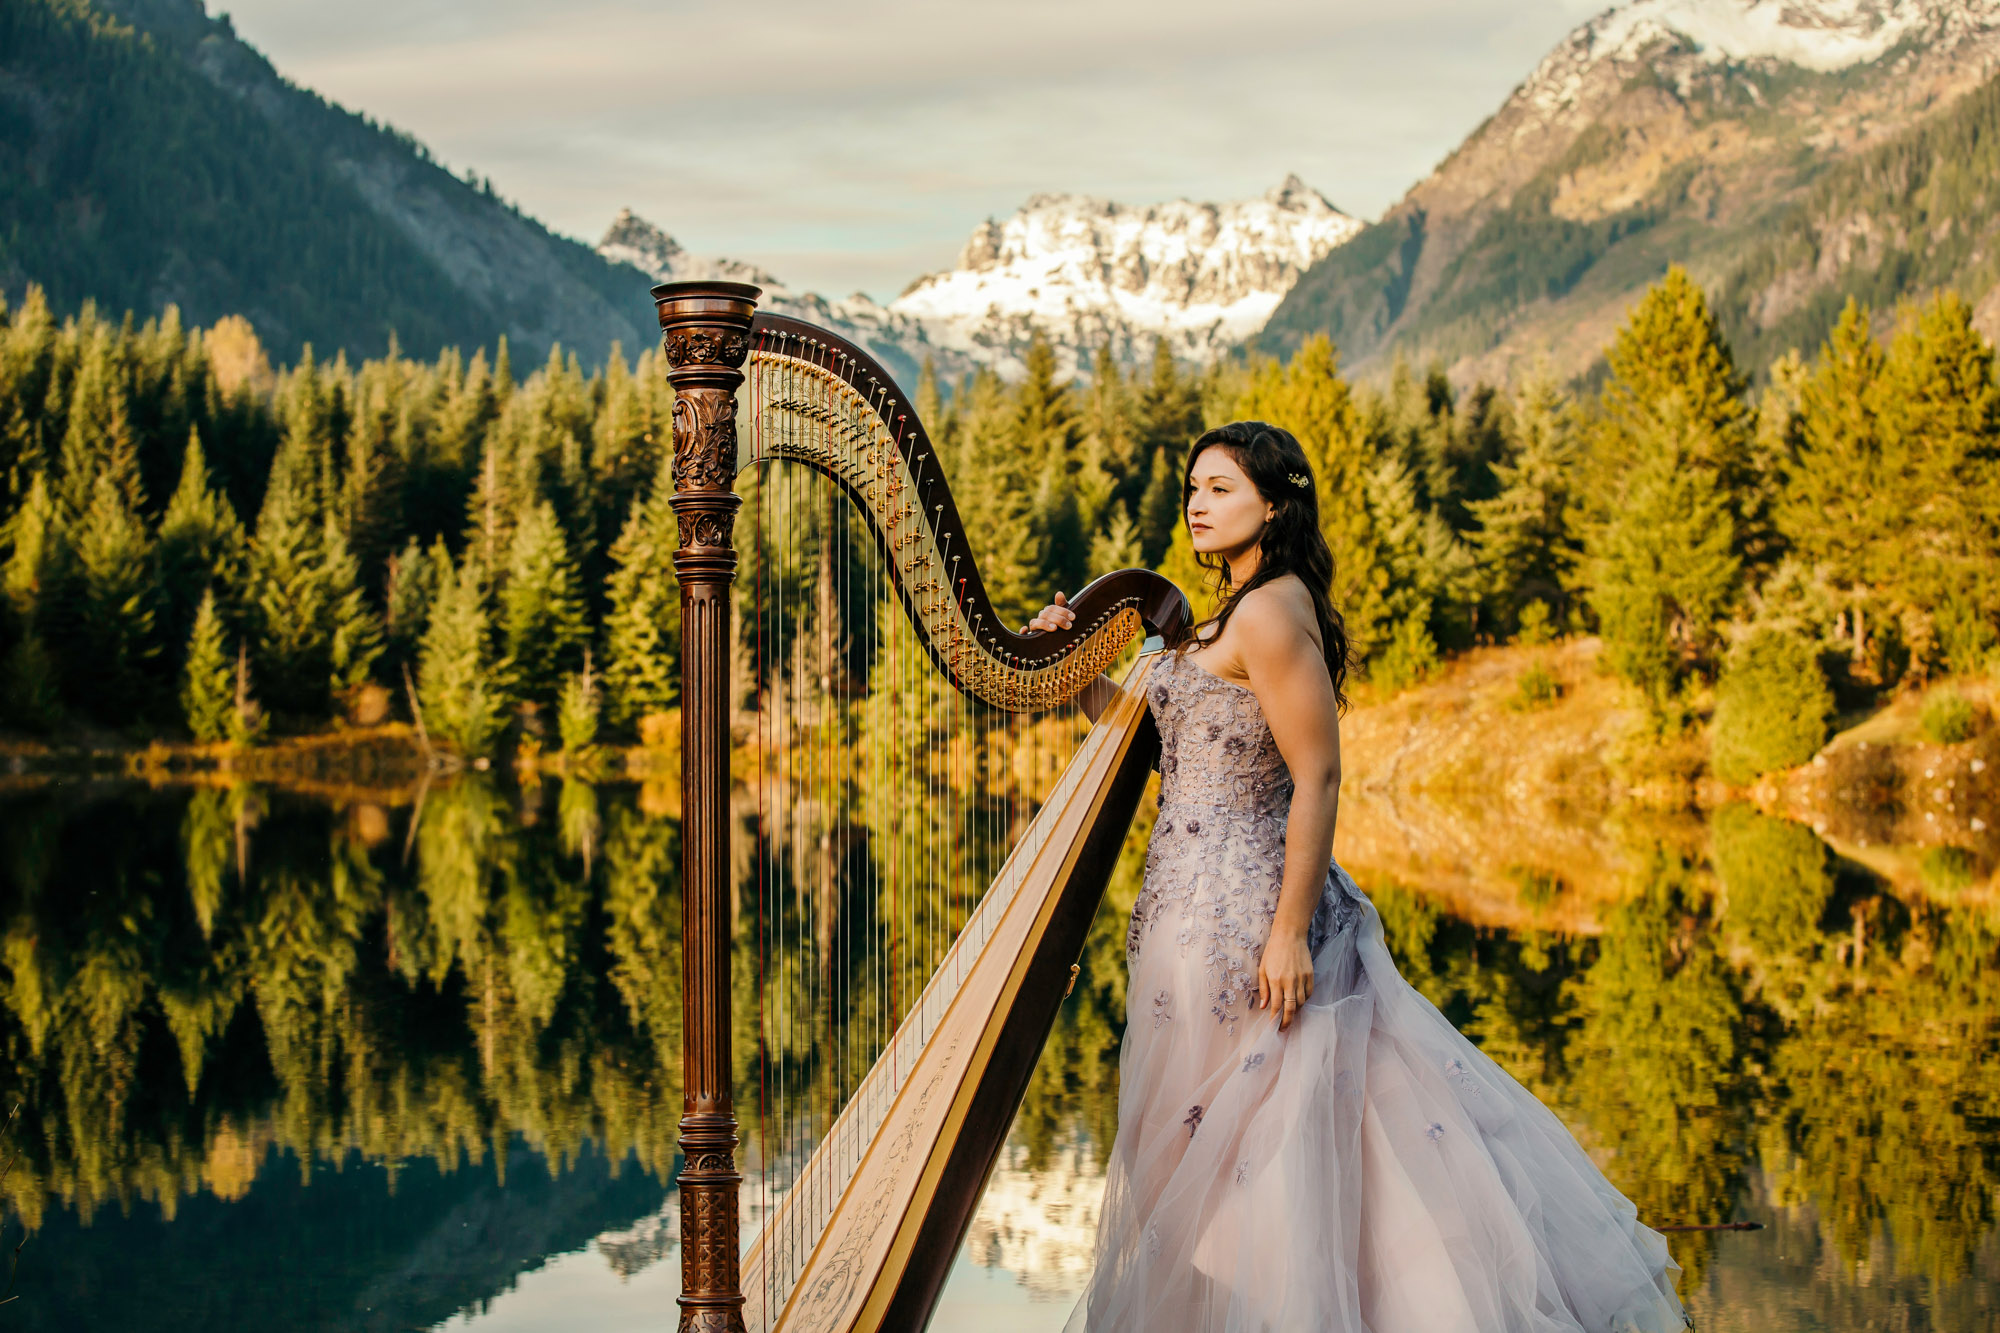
1291,544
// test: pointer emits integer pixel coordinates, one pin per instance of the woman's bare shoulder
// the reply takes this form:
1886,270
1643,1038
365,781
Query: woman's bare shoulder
1278,612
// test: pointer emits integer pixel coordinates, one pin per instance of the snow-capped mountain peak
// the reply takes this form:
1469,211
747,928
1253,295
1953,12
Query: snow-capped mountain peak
632,240
1821,35
1083,272
1086,271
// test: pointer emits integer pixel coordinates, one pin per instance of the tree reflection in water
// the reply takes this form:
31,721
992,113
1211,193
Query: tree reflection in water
282,1060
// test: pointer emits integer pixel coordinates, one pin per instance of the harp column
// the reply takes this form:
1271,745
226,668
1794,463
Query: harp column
705,327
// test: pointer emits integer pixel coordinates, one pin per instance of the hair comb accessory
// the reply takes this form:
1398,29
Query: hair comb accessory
1300,480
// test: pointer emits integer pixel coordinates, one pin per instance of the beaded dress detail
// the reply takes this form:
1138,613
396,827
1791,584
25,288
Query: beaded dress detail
1367,1170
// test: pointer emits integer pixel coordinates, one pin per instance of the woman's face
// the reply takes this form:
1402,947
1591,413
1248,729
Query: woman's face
1225,514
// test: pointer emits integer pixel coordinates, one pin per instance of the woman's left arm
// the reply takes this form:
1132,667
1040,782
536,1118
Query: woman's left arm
1288,674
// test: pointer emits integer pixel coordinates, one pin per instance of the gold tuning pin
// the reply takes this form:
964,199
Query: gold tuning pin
1074,968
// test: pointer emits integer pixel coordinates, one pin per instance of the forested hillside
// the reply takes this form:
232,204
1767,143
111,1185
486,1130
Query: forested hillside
1917,213
1636,146
149,158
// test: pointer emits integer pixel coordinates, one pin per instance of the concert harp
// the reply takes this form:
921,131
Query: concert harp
885,790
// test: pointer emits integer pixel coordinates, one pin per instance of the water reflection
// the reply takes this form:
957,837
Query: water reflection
343,1064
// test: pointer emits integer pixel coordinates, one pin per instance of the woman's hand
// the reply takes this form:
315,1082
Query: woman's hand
1056,615
1285,976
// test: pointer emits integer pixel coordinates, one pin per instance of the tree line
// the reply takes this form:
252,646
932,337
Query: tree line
198,543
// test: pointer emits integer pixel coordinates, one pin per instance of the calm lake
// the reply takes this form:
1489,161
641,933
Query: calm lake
275,1060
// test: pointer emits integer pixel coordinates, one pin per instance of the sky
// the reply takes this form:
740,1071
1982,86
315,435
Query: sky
854,146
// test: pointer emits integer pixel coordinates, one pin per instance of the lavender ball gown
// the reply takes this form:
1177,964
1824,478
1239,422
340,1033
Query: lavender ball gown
1367,1171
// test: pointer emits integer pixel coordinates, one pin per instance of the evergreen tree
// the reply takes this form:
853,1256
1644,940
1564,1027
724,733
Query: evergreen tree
412,577
247,722
1526,549
27,365
1830,486
642,627
1167,418
1160,509
999,504
1116,545
1936,513
201,547
208,680
290,602
576,714
456,679
1309,398
354,639
105,611
1672,494
1663,573
99,439
542,607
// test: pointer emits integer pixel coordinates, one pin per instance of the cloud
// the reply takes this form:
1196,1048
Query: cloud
854,146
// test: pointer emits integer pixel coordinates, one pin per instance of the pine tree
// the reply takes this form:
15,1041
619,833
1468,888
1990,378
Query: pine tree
1936,507
1309,398
106,645
1526,548
1113,473
354,639
542,607
1000,490
99,440
1160,509
247,722
201,547
1116,545
576,715
1167,420
27,365
208,679
627,439
1663,572
411,576
642,627
290,602
1673,500
463,703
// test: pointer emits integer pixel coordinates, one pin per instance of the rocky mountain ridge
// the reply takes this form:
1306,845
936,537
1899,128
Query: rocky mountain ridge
1083,272
1661,131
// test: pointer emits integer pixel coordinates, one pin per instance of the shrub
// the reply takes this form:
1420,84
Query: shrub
1777,877
1948,718
1771,707
1406,659
1947,871
1537,688
1535,625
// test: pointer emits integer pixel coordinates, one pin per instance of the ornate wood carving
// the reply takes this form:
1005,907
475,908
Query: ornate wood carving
706,327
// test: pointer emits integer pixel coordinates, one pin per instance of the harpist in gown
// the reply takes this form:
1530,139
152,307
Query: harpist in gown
1365,1171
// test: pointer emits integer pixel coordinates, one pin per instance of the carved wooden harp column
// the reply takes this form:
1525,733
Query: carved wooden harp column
706,331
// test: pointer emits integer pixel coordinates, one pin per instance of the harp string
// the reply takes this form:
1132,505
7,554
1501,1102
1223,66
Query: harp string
886,798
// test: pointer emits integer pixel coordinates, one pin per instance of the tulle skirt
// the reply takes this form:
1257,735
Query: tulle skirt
1366,1171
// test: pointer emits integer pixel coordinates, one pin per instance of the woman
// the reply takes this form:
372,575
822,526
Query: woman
1304,1142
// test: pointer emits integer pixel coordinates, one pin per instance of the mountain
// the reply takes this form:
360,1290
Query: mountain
149,157
1083,272
897,341
1662,131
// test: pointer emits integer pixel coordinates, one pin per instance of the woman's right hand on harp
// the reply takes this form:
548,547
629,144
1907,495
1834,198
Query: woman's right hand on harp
1056,615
